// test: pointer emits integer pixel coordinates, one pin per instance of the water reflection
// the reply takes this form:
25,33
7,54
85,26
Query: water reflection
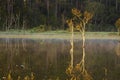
118,49
49,58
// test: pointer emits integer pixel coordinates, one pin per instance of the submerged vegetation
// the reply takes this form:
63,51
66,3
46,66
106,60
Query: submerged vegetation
9,77
101,58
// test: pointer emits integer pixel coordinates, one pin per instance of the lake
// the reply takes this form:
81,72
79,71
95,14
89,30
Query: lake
49,58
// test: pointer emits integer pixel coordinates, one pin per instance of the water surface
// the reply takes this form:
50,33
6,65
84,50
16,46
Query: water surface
49,58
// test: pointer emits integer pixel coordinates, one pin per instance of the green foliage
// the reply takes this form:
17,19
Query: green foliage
40,28
95,7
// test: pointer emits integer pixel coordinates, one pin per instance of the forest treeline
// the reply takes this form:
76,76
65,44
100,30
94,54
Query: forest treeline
52,14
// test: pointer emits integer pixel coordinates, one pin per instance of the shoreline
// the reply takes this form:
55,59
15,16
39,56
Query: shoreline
58,36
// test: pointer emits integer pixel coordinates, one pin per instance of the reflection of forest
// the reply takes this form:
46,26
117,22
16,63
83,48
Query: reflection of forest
51,57
118,49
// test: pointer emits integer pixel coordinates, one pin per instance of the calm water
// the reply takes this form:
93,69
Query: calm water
49,58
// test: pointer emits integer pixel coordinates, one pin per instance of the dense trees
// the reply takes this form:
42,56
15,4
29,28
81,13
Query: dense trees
25,14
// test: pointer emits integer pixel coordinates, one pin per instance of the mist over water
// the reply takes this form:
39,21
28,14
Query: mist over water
49,58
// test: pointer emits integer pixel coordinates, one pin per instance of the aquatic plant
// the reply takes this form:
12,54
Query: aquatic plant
9,77
31,77
78,21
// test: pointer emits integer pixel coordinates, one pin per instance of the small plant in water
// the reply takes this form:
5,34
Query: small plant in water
9,77
78,21
19,78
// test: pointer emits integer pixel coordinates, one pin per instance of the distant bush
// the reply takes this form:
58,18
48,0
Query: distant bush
40,28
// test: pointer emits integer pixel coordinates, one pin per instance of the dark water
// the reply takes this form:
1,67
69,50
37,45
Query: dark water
49,58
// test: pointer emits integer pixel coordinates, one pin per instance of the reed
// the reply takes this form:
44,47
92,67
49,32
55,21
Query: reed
9,77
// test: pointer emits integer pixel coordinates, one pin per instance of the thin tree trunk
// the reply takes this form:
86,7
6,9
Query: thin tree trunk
116,5
83,47
63,21
10,16
76,3
48,14
56,9
72,47
24,17
71,3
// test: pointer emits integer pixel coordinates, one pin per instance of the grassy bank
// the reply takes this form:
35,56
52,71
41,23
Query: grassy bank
58,35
